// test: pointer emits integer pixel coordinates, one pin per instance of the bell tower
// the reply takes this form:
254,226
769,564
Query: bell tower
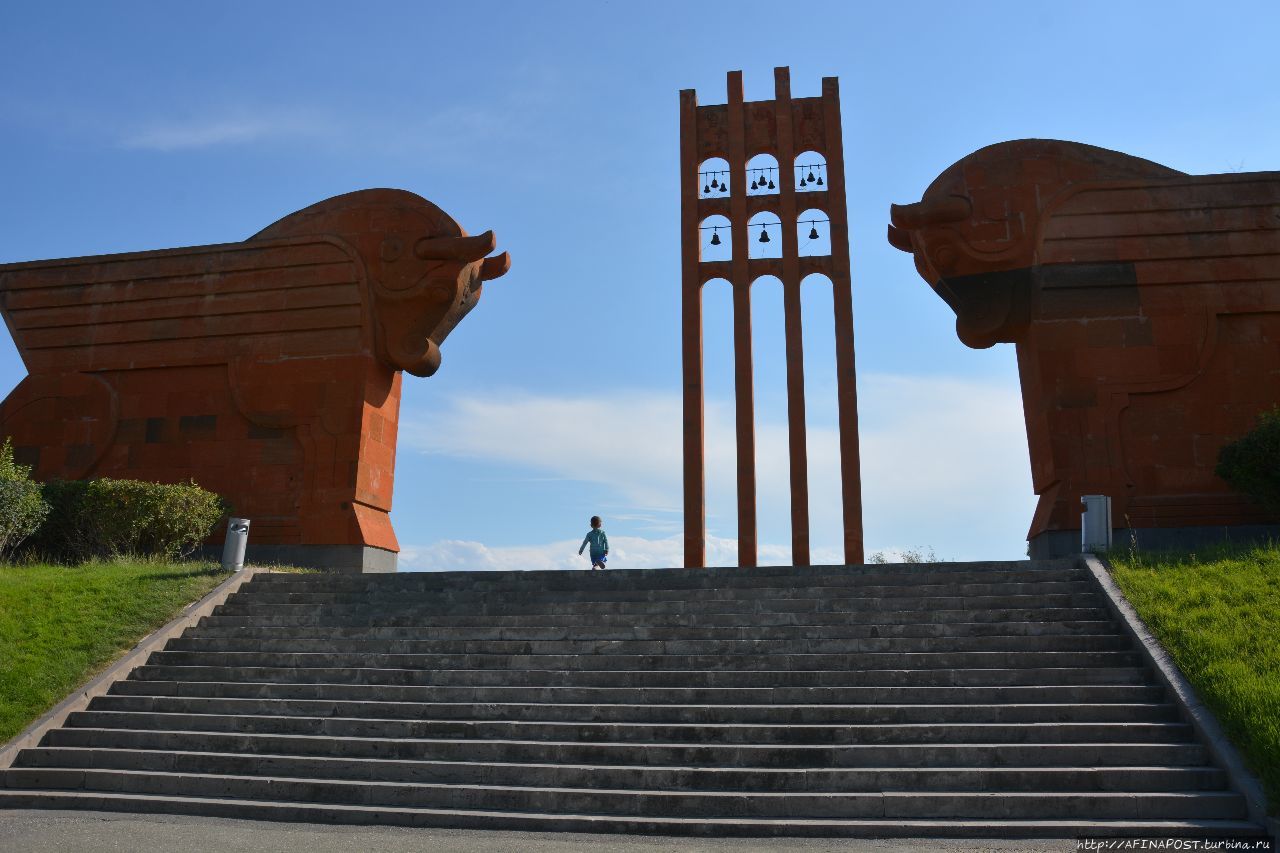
721,146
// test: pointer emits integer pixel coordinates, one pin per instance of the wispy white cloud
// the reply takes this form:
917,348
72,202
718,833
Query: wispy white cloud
452,128
237,128
944,462
625,552
453,131
627,440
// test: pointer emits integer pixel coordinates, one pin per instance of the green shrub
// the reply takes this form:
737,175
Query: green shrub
22,509
906,555
106,518
1251,463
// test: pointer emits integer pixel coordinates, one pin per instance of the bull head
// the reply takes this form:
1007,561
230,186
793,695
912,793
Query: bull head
964,238
989,304
425,272
975,233
437,287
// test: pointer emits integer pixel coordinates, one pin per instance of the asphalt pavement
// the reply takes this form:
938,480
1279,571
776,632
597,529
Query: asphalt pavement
34,831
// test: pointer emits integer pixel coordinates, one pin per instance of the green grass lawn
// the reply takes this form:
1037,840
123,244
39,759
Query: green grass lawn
1218,615
61,625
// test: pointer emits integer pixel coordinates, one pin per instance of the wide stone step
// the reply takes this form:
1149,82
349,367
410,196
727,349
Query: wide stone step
1034,695
625,581
928,755
667,648
663,663
677,778
594,621
650,825
400,597
248,606
994,677
645,713
641,632
689,579
817,734
1218,805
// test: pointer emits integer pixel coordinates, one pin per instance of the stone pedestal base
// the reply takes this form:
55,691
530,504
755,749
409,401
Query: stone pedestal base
1062,543
343,559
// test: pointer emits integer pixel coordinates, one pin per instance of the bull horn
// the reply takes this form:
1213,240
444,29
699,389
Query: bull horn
900,239
495,267
921,213
455,248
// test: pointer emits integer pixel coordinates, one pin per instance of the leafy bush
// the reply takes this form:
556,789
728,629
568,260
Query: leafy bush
1251,463
22,509
107,518
907,555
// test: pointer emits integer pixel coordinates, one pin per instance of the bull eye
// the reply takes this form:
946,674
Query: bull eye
944,258
392,248
994,209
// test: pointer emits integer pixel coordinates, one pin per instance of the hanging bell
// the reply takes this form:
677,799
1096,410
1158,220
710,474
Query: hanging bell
724,188
802,180
819,180
764,234
753,185
813,232
714,183
715,238
811,178
771,186
706,189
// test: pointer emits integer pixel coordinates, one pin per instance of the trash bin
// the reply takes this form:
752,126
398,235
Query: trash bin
1095,524
237,541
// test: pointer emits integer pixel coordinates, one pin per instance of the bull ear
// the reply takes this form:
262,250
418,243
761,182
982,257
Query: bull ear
455,248
495,267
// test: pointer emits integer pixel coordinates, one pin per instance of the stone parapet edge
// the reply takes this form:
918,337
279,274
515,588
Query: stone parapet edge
1190,707
100,684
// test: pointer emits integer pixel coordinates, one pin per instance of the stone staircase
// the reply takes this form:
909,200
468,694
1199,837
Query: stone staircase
979,699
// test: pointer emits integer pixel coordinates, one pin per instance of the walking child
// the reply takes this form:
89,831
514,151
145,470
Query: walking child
599,544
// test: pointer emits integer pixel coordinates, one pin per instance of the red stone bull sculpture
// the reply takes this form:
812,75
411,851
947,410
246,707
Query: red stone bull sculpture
1145,307
267,371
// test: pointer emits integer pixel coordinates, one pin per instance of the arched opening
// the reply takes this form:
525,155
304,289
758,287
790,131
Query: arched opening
721,461
822,419
762,175
811,172
713,178
773,468
813,233
764,236
715,239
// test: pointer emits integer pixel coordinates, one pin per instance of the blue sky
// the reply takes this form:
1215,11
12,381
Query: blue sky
133,126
